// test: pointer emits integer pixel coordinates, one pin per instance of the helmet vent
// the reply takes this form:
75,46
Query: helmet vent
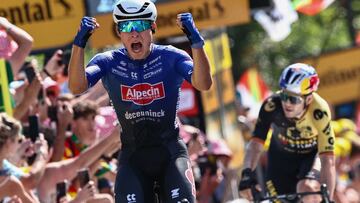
288,75
145,16
142,9
295,78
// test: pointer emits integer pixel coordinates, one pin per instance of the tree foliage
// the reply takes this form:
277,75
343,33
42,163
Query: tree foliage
310,36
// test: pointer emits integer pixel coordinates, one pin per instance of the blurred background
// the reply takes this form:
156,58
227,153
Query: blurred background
249,43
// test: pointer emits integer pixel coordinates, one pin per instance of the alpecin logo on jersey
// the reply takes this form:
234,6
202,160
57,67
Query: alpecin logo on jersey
143,93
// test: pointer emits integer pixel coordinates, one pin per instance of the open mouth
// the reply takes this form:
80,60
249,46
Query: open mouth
136,47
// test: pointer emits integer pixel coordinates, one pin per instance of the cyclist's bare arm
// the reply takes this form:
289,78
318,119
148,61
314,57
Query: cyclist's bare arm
253,153
201,77
254,150
328,172
77,79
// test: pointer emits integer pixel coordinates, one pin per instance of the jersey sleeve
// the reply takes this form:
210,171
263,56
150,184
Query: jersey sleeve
95,70
326,136
264,119
184,65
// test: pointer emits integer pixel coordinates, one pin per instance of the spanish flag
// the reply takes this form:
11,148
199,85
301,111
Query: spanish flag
5,98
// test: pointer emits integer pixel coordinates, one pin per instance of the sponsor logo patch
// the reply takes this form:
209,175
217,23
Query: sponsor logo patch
120,73
123,63
121,68
318,114
143,93
152,73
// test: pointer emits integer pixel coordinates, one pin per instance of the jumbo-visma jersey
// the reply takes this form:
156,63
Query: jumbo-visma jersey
312,132
144,93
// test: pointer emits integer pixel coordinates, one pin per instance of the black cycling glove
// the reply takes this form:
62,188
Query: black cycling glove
248,179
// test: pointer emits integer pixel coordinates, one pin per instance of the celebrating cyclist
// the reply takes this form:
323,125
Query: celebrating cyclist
301,135
143,81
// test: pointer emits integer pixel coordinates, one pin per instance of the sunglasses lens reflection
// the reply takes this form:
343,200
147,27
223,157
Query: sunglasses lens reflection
136,25
292,99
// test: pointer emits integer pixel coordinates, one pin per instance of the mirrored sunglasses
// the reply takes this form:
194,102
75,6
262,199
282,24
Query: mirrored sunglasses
292,99
134,25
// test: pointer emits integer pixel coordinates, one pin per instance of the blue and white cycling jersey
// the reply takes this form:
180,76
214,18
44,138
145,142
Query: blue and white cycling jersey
144,93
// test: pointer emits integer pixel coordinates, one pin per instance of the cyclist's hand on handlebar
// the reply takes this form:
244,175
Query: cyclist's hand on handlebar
87,27
247,182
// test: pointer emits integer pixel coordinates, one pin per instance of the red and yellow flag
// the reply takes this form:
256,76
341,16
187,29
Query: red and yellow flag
311,7
252,91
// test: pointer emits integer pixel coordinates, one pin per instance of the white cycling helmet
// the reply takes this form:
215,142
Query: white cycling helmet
125,10
300,79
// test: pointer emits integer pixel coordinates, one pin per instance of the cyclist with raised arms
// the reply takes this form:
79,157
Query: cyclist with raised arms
301,135
143,81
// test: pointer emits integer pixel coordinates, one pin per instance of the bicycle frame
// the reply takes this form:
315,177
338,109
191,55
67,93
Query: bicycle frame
294,196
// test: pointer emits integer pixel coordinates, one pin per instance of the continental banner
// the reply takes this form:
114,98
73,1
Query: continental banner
207,14
52,23
339,74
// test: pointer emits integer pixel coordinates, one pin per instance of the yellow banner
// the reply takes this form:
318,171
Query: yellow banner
207,14
227,86
218,52
210,99
339,74
52,23
226,93
5,88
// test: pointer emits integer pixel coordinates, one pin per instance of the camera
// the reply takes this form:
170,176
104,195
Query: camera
30,75
34,126
207,161
83,176
61,189
52,113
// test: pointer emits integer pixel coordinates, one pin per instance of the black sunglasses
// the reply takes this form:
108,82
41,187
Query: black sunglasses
292,99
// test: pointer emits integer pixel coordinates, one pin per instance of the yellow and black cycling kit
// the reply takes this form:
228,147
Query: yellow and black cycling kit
294,142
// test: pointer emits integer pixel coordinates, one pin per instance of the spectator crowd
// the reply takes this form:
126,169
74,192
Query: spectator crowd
52,135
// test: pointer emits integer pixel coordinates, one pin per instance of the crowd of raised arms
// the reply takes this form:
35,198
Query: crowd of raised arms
108,130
